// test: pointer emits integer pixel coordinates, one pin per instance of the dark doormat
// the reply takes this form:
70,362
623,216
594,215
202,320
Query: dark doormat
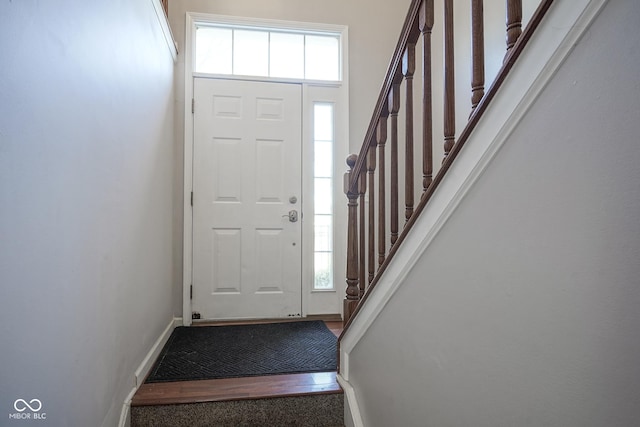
213,352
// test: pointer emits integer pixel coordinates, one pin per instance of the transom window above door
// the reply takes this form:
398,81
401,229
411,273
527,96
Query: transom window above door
264,52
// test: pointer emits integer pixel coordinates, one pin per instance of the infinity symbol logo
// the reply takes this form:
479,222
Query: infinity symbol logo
21,405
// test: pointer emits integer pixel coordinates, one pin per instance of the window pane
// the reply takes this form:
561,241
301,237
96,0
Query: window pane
323,159
323,233
323,203
322,58
213,50
287,55
323,122
251,53
323,271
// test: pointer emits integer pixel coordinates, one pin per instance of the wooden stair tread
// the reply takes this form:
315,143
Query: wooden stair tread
236,389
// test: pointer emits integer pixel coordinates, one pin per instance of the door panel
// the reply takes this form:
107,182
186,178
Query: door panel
247,167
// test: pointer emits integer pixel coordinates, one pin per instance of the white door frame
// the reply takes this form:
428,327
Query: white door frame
312,91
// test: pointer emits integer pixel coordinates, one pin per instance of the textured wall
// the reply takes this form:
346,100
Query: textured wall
86,183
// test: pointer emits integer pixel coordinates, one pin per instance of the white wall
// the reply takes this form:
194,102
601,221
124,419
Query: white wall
530,314
86,203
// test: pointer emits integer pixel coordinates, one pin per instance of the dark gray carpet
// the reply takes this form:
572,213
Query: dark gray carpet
324,410
213,352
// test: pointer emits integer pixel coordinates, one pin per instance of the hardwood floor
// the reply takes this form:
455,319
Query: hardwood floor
240,388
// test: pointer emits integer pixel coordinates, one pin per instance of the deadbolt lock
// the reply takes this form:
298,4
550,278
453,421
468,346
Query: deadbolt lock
292,215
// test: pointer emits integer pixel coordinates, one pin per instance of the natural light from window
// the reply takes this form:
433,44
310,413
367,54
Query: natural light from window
267,53
323,141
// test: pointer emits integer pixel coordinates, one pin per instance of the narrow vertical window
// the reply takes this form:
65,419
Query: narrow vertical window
323,141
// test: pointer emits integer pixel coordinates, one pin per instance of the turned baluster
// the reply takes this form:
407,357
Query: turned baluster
408,68
381,135
353,292
362,188
394,108
449,80
371,167
477,52
514,23
426,19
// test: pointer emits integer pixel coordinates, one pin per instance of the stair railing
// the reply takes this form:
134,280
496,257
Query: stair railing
366,182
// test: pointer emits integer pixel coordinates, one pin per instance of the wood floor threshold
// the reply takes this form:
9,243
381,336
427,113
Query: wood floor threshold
334,326
327,318
236,389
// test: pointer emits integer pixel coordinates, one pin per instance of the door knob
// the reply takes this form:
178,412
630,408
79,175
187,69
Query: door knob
292,215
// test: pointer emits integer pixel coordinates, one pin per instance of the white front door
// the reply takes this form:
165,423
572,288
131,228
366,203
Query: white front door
247,251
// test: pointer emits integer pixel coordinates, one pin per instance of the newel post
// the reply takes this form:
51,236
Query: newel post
353,292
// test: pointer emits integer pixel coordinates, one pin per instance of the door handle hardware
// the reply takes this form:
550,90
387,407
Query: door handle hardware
292,215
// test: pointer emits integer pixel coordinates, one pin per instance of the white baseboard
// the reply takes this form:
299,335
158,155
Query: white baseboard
352,410
147,363
144,368
125,415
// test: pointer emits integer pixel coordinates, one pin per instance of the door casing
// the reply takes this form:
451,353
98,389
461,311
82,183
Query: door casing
313,302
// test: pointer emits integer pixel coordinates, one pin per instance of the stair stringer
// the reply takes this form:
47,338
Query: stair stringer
559,31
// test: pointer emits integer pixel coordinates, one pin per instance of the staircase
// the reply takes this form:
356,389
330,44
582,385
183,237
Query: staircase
307,399
322,410
491,303
402,188
385,167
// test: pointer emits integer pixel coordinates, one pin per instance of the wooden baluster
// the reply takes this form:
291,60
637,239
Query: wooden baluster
449,80
382,139
371,167
394,107
426,26
514,23
352,297
362,188
408,68
477,52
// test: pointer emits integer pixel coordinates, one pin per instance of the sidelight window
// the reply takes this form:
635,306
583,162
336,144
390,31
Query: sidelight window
323,142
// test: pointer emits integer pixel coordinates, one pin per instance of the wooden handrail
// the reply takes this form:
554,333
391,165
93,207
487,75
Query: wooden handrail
409,33
360,181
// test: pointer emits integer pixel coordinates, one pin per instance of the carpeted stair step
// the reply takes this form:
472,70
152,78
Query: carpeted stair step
317,410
